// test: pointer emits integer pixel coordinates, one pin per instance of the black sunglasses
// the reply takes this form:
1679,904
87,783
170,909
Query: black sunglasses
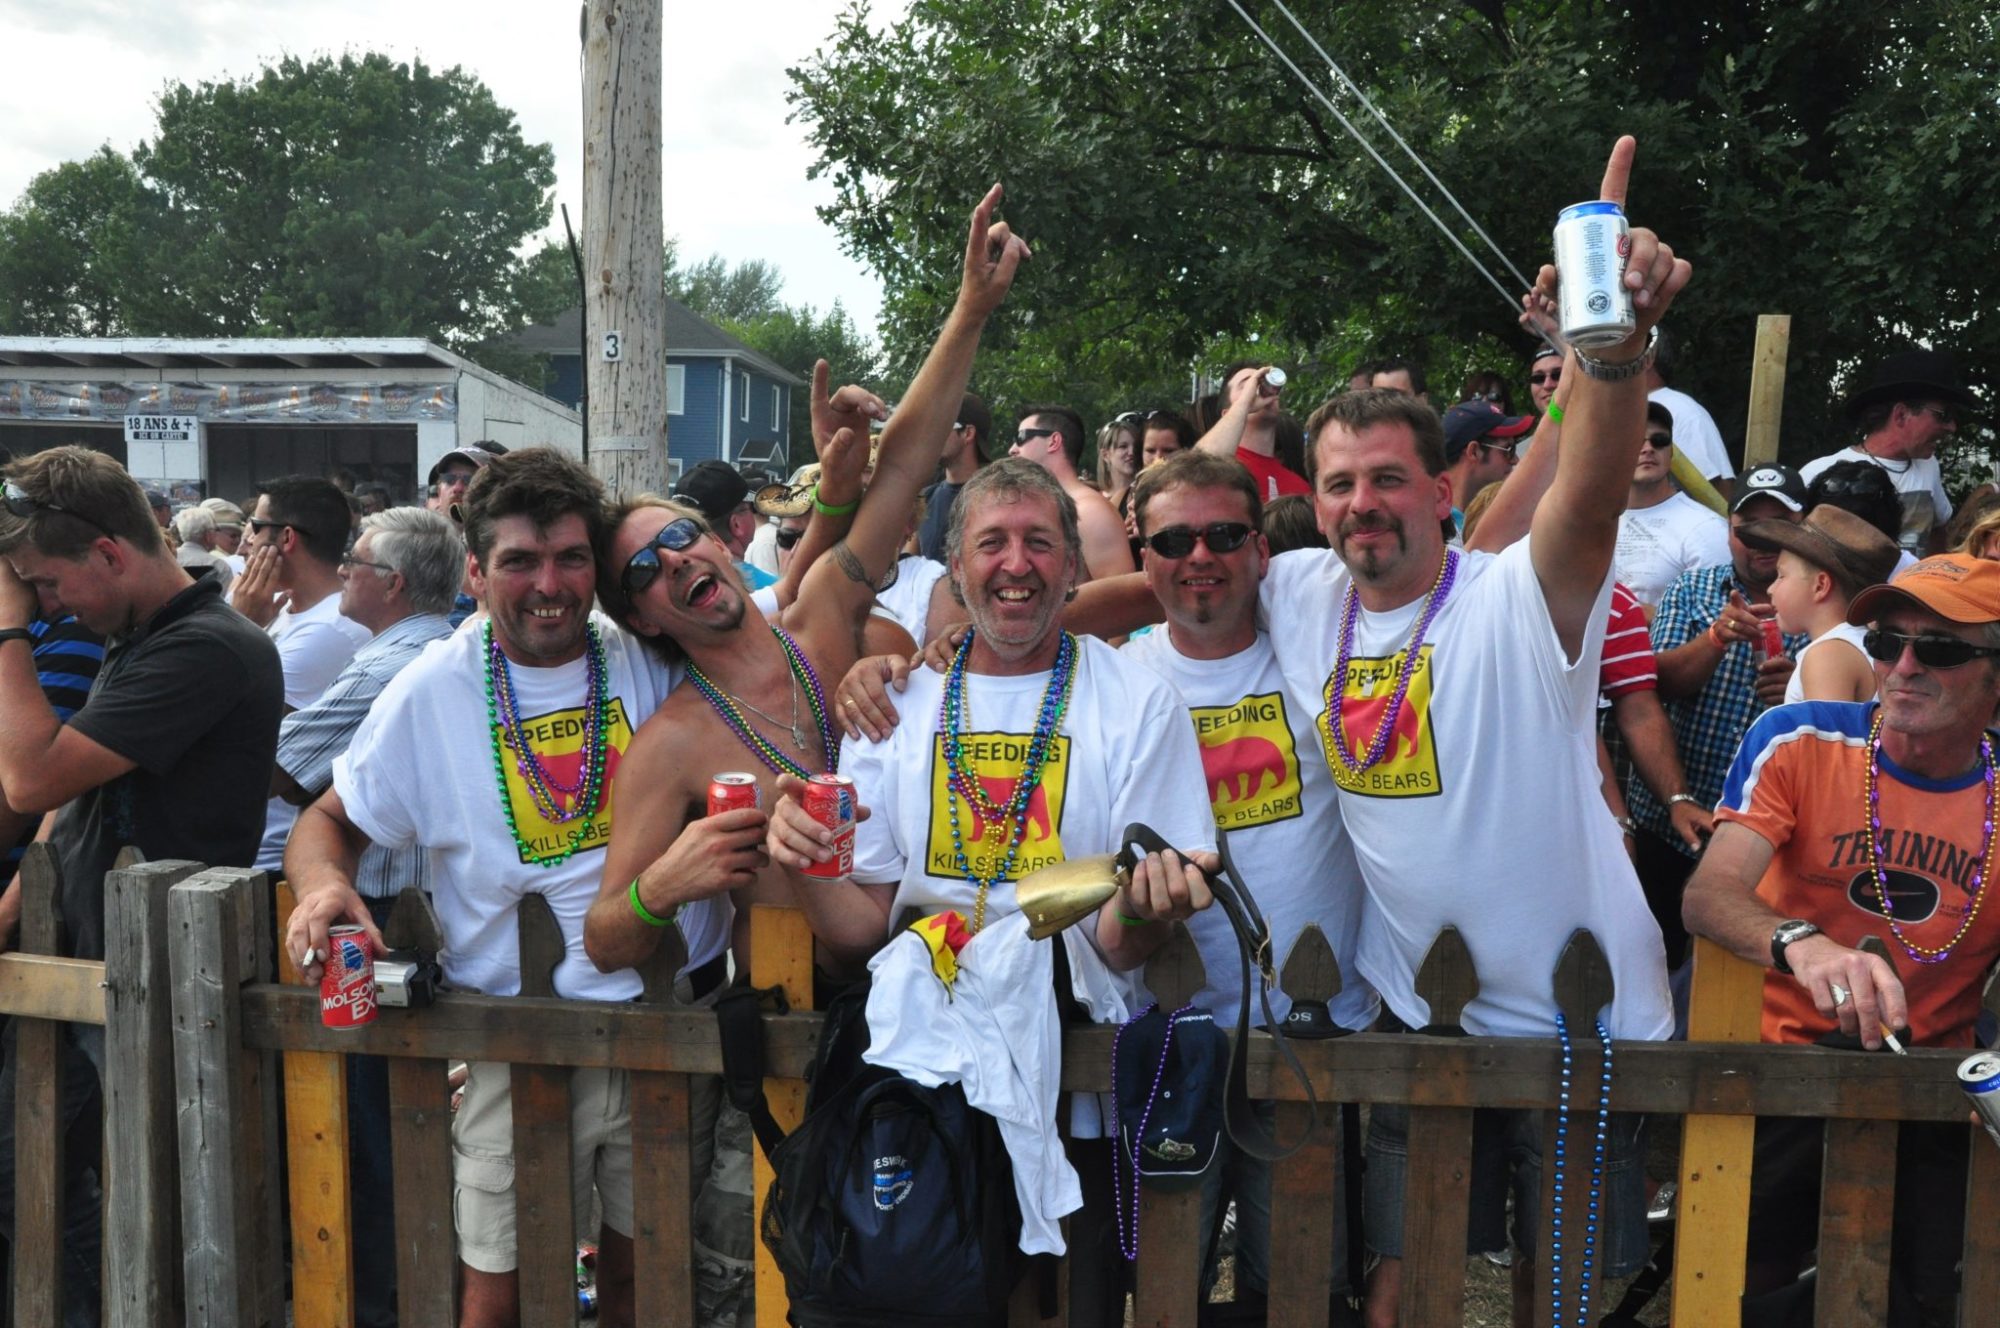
1178,541
261,524
1660,442
1541,376
787,538
1030,435
1933,652
21,504
644,565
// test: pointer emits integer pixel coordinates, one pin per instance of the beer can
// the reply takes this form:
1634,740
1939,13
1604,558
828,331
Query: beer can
347,984
1979,1076
830,801
1275,378
1591,243
1774,639
733,789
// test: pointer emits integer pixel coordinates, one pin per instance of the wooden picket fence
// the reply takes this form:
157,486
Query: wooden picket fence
195,1213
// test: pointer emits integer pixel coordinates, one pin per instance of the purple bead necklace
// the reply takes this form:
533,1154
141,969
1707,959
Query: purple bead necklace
1982,868
1378,746
1128,1233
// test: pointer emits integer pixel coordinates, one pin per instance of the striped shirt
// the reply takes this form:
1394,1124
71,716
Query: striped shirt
1628,664
67,657
310,738
1708,727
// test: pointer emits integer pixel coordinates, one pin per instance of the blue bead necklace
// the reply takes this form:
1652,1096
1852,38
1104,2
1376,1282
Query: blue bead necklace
1596,1178
1009,816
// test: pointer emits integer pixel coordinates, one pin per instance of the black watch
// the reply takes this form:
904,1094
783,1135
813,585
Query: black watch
1790,930
15,634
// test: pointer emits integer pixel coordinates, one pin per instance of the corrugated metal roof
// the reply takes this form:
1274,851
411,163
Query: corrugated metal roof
226,353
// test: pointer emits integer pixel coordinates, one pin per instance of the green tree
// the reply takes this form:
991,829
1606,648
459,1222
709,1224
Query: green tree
1824,159
66,250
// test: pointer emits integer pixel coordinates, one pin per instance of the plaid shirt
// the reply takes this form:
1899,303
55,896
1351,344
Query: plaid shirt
310,738
1709,727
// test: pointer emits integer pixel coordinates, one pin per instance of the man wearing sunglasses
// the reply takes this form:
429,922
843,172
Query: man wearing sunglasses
1908,404
1051,436
170,753
1662,531
1844,820
1481,446
1544,376
1198,517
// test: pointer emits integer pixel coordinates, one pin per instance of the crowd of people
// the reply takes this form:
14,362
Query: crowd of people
1751,707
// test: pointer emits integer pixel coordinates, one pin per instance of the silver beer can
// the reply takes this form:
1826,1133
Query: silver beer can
1979,1076
1591,245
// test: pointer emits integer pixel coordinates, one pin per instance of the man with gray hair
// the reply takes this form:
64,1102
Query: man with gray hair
196,528
398,582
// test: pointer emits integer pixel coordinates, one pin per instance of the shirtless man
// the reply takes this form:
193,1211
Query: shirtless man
1052,438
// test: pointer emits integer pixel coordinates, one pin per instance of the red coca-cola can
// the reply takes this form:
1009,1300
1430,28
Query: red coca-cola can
733,789
830,801
1774,640
347,984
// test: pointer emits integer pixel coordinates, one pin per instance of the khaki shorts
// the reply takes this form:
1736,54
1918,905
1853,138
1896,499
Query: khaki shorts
482,1159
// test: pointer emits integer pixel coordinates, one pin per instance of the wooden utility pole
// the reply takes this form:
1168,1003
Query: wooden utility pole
625,353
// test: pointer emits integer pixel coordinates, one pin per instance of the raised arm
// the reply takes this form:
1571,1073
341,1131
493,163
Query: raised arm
913,442
1226,434
1575,527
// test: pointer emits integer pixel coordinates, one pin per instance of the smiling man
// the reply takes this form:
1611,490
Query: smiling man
1797,875
497,753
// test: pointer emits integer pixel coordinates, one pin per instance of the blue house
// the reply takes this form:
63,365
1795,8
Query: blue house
725,401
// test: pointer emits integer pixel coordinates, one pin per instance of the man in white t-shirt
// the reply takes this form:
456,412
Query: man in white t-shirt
1693,427
1199,518
1442,683
291,588
1909,404
498,751
1662,531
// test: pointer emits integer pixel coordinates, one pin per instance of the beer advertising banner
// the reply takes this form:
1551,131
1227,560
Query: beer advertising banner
232,403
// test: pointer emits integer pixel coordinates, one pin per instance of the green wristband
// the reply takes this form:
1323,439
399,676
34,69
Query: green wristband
1555,412
819,506
1131,921
646,915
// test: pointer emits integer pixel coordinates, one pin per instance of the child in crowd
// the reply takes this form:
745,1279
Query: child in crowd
1823,562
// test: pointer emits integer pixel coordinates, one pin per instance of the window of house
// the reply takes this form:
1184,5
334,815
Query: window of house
677,376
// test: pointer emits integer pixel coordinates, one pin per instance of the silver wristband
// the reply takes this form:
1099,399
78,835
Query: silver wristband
1618,373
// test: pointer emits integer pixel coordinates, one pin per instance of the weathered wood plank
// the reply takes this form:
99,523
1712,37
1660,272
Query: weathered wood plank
780,955
1446,981
142,1144
208,1045
545,1217
1167,1281
1583,988
420,1139
39,1153
322,1208
1305,1192
266,1277
662,1138
1725,1005
37,986
1981,1269
1853,1227
1436,1209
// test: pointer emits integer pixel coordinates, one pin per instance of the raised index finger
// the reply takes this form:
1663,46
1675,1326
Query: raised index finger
1618,170
822,375
982,220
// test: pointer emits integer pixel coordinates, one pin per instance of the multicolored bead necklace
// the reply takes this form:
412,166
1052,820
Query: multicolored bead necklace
804,677
1596,1179
1009,816
503,721
1982,866
1378,746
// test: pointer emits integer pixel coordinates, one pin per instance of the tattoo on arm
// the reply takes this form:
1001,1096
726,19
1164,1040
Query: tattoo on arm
850,564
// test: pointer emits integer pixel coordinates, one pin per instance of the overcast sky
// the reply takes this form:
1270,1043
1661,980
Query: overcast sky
87,72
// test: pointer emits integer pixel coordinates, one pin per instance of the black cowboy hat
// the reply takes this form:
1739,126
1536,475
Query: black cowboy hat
1911,375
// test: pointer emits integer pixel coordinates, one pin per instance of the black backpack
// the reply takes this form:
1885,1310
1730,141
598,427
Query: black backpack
892,1204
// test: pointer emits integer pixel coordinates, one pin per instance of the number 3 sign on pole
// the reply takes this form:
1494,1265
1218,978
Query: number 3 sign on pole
614,346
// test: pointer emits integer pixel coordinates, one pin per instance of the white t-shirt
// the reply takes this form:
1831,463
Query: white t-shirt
1495,713
1795,688
1125,752
908,601
1919,483
1269,789
1695,433
314,645
420,771
762,551
1658,543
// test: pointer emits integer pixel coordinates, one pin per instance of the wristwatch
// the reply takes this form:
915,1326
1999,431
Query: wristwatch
1618,373
15,634
1790,930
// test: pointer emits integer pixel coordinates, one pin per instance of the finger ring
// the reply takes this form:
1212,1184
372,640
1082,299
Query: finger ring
852,704
1839,995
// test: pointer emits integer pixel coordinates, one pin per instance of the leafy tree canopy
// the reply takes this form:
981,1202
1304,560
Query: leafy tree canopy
1828,159
326,197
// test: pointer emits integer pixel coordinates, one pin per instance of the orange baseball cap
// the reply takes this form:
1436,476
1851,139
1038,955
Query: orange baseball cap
1955,586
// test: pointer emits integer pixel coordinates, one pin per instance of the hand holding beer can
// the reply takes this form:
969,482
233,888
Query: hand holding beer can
1774,638
1592,241
733,789
829,799
347,983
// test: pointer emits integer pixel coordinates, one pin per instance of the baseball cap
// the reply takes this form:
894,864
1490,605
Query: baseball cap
1955,586
1833,539
1469,421
476,453
1544,352
1780,482
715,488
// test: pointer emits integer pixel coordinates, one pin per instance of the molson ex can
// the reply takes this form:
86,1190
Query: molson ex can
1591,243
830,801
347,984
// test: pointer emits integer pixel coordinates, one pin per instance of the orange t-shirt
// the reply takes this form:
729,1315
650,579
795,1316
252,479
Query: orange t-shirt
1800,781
